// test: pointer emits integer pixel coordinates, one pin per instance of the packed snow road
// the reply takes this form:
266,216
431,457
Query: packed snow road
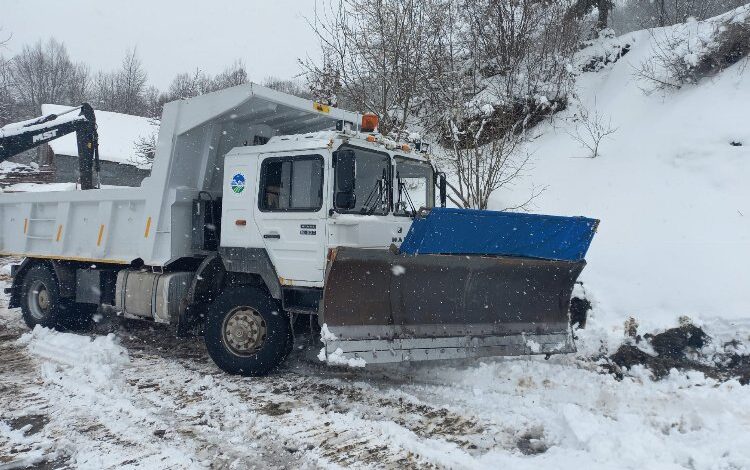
139,398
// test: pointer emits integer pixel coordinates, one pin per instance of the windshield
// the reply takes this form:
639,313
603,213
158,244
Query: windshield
371,182
413,186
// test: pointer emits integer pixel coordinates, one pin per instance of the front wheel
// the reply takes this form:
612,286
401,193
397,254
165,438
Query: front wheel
246,332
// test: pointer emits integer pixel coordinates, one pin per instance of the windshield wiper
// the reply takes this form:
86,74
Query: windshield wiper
403,191
380,188
366,209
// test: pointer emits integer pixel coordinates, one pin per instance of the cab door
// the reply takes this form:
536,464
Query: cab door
290,215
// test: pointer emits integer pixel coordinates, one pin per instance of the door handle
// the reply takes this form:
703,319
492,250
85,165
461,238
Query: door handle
272,235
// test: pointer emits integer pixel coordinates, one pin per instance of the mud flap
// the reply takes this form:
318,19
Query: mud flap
387,307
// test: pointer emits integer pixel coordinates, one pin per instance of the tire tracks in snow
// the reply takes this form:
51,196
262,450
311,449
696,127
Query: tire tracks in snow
171,407
331,421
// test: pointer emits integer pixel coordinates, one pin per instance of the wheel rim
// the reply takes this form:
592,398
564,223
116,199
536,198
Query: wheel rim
39,300
244,331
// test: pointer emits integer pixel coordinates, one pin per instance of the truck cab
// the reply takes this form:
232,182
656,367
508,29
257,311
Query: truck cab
300,196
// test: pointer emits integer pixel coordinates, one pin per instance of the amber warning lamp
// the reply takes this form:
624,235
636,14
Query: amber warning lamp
369,122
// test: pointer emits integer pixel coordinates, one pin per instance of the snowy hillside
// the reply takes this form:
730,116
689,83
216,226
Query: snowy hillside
670,189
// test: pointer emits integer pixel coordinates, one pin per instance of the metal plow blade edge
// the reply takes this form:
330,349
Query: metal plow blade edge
387,307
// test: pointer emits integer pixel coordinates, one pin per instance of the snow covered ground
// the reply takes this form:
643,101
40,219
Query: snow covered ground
139,398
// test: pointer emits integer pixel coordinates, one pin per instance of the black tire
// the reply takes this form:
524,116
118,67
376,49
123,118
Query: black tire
246,332
50,309
41,303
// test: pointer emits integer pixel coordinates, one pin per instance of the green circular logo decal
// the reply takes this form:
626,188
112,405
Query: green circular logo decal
238,183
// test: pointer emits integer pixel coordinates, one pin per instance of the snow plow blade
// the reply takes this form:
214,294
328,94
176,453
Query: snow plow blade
432,300
384,307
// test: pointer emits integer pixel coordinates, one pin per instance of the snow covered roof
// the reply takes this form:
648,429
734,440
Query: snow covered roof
118,134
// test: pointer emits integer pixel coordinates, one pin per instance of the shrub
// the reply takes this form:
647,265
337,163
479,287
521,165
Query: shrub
684,55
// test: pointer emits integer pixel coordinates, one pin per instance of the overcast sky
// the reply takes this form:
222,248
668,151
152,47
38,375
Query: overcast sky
171,36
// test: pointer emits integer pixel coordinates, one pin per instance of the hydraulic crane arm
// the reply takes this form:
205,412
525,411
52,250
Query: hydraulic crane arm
19,137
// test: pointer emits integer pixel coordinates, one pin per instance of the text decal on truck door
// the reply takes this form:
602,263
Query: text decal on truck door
308,229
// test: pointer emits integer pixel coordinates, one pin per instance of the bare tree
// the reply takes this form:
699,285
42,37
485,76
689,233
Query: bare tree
6,98
145,147
509,60
154,102
680,55
124,90
7,103
473,73
523,47
188,85
235,74
44,73
291,87
131,85
324,82
104,91
482,169
640,14
591,129
375,52
580,8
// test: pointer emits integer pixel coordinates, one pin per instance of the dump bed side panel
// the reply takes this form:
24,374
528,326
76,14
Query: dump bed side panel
105,226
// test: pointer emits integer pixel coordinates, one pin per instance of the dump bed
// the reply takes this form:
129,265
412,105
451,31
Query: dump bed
154,222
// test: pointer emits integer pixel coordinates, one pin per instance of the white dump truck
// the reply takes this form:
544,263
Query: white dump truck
262,207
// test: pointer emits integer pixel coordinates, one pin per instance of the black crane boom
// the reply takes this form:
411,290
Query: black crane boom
19,137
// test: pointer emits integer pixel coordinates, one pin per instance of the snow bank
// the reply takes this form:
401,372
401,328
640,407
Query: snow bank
118,134
671,191
338,358
579,418
326,335
66,356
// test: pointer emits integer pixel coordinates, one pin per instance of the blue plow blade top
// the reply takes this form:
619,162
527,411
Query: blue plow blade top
477,232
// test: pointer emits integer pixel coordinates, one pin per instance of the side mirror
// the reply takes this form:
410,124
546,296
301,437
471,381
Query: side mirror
345,171
345,176
443,194
345,200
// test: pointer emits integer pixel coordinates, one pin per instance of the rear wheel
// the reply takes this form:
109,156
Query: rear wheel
41,303
246,332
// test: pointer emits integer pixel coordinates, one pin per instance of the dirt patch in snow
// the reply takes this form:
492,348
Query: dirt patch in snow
532,442
29,424
681,348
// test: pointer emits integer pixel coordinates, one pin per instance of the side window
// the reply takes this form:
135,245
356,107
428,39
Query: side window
291,184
